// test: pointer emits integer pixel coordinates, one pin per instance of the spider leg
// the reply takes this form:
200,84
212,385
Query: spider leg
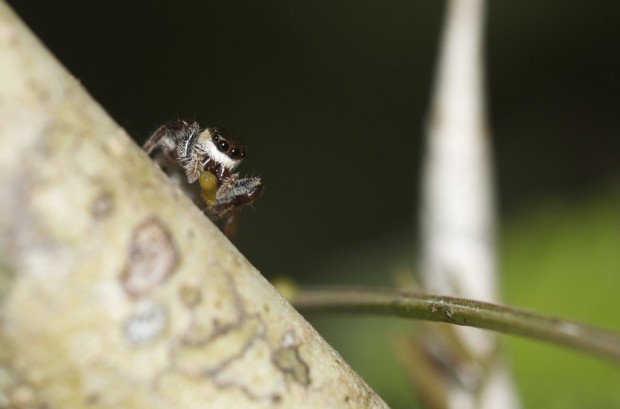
230,226
232,195
171,145
161,148
162,140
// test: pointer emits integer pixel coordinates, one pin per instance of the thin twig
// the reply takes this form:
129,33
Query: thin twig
459,311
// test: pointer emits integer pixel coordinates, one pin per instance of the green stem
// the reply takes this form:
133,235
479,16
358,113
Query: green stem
464,312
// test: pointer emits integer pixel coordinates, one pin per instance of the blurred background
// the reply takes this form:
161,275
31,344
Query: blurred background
331,99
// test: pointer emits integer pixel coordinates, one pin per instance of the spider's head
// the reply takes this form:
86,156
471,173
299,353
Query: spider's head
224,148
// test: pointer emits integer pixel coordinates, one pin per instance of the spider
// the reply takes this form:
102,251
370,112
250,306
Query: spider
188,154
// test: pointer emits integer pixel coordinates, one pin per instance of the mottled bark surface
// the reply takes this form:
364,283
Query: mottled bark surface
115,291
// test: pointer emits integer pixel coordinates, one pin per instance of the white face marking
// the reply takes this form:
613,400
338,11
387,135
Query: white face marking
207,145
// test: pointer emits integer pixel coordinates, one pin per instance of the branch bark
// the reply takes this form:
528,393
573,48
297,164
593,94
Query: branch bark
115,291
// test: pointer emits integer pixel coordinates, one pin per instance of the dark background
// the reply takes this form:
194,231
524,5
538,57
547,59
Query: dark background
331,98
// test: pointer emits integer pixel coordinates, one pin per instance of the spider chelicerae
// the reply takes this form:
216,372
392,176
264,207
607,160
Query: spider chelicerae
208,156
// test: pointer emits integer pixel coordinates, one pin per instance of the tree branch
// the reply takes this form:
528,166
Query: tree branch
115,291
463,312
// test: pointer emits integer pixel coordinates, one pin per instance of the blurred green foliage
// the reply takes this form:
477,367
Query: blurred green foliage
563,258
558,257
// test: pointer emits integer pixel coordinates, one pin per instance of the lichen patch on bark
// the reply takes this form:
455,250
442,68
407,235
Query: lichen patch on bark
152,258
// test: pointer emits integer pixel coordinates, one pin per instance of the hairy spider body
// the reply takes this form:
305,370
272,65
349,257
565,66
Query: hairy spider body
188,154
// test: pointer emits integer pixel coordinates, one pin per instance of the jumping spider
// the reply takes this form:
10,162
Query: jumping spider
188,154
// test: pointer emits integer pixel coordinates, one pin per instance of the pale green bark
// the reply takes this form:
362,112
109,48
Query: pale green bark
115,291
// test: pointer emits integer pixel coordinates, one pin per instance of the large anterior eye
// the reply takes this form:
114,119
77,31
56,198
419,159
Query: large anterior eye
222,146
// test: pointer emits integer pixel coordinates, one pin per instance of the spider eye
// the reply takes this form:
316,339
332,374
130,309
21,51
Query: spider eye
237,153
223,146
215,138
